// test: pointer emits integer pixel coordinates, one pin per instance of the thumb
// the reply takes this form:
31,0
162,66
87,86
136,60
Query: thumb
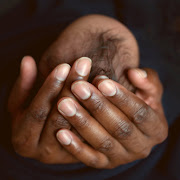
23,85
149,87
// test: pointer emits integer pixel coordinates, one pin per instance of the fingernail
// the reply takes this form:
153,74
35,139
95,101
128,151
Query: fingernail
67,107
83,66
62,72
107,88
64,137
101,77
141,73
81,89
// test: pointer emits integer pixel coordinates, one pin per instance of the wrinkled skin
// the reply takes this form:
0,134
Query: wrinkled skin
116,125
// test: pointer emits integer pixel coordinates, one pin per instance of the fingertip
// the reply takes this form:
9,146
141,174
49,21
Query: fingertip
99,78
64,137
28,65
62,72
28,72
137,73
83,66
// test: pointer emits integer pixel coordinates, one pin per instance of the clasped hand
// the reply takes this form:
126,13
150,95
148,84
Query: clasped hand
101,124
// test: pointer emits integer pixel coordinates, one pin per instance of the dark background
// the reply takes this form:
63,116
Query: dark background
30,26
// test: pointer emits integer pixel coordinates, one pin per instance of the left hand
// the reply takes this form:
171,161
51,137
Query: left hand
119,126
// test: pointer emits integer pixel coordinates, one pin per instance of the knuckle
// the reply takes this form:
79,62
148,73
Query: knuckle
98,106
46,155
58,121
122,130
81,123
142,114
144,153
38,114
105,146
93,162
162,134
141,150
22,146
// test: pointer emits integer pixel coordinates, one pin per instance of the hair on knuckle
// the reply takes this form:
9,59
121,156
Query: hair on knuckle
105,146
141,114
38,114
58,121
122,130
98,106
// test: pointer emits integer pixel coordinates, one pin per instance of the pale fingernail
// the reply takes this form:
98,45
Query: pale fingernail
81,89
83,66
101,77
64,137
62,72
67,107
141,73
107,88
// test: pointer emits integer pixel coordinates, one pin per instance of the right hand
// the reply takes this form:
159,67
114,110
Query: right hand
34,128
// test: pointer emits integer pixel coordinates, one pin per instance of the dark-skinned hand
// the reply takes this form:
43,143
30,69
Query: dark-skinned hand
116,136
119,126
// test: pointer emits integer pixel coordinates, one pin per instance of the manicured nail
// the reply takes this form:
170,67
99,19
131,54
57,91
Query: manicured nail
64,137
107,88
141,73
83,66
67,107
81,89
62,72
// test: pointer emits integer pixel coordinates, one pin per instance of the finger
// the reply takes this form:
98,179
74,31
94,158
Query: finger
31,124
80,70
134,108
81,151
148,84
108,115
90,129
23,85
98,78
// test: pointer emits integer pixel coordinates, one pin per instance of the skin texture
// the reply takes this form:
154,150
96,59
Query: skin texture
115,129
